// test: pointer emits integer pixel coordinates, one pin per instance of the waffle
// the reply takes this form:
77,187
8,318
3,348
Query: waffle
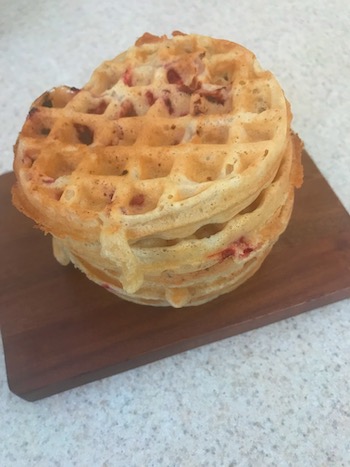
169,176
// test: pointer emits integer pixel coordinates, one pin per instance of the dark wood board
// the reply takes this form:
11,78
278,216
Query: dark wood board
60,330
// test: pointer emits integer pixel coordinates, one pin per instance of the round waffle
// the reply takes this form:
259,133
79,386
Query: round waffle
168,177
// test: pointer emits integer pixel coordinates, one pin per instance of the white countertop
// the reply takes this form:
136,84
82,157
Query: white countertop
276,396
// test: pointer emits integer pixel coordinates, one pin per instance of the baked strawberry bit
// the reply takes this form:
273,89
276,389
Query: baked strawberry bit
173,77
238,249
99,109
215,96
58,195
168,104
47,180
137,200
127,109
150,98
127,77
193,87
84,133
27,161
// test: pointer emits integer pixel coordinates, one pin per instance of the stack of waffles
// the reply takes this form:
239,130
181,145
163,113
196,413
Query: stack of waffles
169,176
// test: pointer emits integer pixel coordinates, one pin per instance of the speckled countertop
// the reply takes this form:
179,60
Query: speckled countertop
276,396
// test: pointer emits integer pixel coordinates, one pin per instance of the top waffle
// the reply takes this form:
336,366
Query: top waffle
168,137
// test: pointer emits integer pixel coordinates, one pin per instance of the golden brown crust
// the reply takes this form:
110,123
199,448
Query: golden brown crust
148,38
171,172
298,171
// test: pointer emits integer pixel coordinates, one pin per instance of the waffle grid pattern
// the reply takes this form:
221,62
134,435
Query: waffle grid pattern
166,145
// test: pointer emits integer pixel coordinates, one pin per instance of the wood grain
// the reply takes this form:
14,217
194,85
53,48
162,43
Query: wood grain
60,330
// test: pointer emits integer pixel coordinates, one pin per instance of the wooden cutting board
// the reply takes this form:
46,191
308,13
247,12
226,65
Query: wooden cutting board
60,330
